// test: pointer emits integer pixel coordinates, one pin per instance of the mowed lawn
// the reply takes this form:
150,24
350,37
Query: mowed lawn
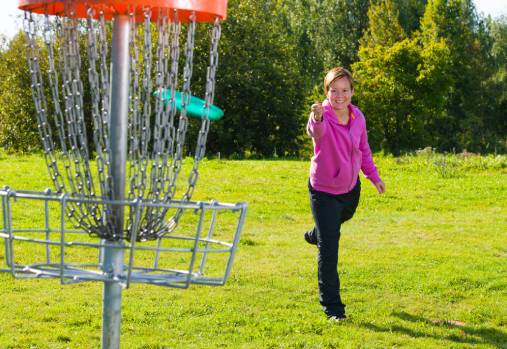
423,266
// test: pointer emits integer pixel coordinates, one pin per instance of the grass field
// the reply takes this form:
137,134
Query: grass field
423,266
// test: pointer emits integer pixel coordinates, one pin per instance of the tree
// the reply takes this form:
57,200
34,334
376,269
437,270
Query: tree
496,85
258,84
457,23
18,124
384,27
325,32
400,81
378,87
411,12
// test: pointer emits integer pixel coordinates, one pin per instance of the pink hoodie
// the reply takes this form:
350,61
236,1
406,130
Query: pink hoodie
340,151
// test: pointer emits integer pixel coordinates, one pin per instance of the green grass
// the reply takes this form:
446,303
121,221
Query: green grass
423,266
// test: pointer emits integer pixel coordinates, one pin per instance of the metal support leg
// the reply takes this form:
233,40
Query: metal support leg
113,253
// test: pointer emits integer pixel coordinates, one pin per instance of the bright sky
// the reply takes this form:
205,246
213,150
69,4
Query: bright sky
9,24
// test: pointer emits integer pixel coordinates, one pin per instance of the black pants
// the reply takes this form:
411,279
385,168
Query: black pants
329,212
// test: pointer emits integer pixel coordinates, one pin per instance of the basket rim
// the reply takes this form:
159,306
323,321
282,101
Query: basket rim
205,11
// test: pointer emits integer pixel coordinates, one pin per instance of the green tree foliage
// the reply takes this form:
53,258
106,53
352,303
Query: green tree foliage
496,85
400,81
18,125
258,84
411,12
384,27
430,73
327,32
338,28
18,117
456,22
440,86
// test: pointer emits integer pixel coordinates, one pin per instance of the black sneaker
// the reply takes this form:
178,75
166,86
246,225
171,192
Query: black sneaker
336,318
309,240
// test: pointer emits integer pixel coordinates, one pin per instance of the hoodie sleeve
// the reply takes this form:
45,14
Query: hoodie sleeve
316,129
367,164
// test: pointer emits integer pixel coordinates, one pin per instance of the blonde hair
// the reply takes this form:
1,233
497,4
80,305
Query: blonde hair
337,73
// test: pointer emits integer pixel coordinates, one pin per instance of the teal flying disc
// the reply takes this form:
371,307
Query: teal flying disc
195,107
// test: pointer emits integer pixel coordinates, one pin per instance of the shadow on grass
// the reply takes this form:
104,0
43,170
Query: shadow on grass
468,335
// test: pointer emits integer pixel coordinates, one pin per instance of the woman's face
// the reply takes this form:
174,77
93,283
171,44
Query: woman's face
340,94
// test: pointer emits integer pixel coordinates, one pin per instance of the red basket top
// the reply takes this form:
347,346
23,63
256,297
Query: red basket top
205,10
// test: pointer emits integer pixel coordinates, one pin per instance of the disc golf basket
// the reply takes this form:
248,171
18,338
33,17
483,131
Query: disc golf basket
119,212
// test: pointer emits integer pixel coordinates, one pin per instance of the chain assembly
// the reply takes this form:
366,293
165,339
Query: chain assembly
74,127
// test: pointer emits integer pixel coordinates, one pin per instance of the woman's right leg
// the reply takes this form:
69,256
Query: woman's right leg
350,201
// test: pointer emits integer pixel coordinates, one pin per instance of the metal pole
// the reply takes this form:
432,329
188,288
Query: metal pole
113,253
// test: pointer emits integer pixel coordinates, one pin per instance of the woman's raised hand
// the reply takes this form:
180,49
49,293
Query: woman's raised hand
317,111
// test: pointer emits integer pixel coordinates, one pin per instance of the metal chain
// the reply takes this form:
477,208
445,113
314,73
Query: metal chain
146,85
73,211
95,92
39,100
153,215
205,122
208,100
80,217
134,122
106,166
162,185
72,87
185,97
99,89
161,227
139,121
53,84
157,165
145,91
144,123
172,81
134,129
168,130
